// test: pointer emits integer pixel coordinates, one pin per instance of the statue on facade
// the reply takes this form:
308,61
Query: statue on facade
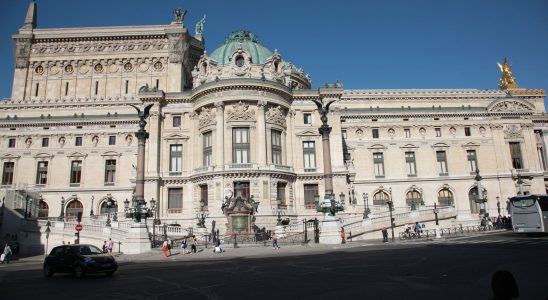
179,15
507,80
200,25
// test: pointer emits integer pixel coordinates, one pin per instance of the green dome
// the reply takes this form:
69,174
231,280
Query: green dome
245,40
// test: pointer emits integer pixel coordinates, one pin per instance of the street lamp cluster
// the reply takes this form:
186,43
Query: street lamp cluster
330,205
480,198
201,215
137,210
366,210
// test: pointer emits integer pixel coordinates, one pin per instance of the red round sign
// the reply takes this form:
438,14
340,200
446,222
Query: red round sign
78,227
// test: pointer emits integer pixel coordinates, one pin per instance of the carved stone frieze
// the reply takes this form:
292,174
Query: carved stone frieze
513,131
100,46
22,52
241,112
206,117
275,115
175,47
510,106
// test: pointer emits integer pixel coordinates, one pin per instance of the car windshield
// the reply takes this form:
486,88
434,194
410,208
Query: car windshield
88,250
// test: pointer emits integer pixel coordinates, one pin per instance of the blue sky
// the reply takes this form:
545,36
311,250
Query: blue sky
396,44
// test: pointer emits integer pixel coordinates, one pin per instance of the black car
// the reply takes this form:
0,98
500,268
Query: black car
79,260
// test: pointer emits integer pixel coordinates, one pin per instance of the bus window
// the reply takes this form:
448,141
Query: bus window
523,202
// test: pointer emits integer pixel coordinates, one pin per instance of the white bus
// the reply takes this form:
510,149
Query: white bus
529,213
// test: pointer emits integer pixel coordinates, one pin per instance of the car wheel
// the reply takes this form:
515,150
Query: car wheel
78,272
48,272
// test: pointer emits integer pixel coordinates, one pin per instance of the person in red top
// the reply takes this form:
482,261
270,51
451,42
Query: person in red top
343,236
164,248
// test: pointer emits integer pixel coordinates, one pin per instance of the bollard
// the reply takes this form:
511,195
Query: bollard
264,239
119,243
235,242
461,229
350,238
427,235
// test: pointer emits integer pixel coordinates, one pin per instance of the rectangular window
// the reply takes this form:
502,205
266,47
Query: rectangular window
96,87
203,197
42,173
76,172
66,88
240,145
176,121
175,200
467,131
110,171
472,160
410,163
36,89
11,143
112,140
280,194
7,173
407,132
378,162
127,85
241,189
515,154
307,118
310,191
157,83
276,147
175,159
78,141
438,131
375,133
309,153
207,149
442,162
45,142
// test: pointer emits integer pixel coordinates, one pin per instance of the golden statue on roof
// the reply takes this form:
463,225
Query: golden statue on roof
507,80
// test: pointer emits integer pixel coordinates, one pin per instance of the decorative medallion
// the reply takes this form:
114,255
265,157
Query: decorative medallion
513,131
206,117
241,112
54,70
158,66
143,67
482,131
28,142
275,115
39,70
98,68
69,69
128,67
113,68
83,69
452,130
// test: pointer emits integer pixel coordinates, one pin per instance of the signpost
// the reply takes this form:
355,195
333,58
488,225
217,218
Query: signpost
78,228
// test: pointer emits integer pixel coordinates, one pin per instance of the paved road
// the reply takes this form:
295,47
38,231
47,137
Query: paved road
454,268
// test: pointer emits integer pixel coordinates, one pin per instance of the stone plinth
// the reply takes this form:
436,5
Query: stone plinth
137,240
330,231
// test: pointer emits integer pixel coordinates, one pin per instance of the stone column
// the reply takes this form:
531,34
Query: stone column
289,138
261,133
219,147
325,130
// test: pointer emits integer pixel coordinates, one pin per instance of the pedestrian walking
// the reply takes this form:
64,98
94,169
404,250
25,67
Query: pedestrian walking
169,246
105,249
385,235
6,254
184,246
343,236
194,246
217,246
418,229
110,245
164,248
275,241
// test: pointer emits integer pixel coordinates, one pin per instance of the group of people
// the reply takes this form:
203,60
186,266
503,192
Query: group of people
499,222
107,246
168,245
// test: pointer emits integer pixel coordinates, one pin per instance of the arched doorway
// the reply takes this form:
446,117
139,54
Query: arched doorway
73,208
380,198
445,197
472,194
43,210
103,209
413,199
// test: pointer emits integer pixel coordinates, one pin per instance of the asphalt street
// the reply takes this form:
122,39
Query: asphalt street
455,268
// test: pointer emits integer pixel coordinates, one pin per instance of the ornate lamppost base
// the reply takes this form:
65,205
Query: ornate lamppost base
137,240
330,230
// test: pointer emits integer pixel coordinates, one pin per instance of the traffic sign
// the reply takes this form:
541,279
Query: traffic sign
78,227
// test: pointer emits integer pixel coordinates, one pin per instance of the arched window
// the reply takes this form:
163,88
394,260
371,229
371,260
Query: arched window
474,206
104,209
73,208
43,209
380,198
445,197
413,199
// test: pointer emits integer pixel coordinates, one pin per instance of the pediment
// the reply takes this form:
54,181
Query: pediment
76,154
471,145
377,147
409,146
440,145
43,155
308,132
9,156
176,136
111,153
510,105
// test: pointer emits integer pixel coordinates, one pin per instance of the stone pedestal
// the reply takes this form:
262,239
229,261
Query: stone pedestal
330,230
137,240
279,230
200,231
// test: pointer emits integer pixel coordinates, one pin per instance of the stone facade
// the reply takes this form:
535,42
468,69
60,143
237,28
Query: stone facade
246,124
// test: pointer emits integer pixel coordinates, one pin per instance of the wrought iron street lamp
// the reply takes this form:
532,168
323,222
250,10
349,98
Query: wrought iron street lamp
520,184
153,207
436,211
47,231
279,212
342,197
62,215
201,215
366,210
479,195
498,205
109,205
